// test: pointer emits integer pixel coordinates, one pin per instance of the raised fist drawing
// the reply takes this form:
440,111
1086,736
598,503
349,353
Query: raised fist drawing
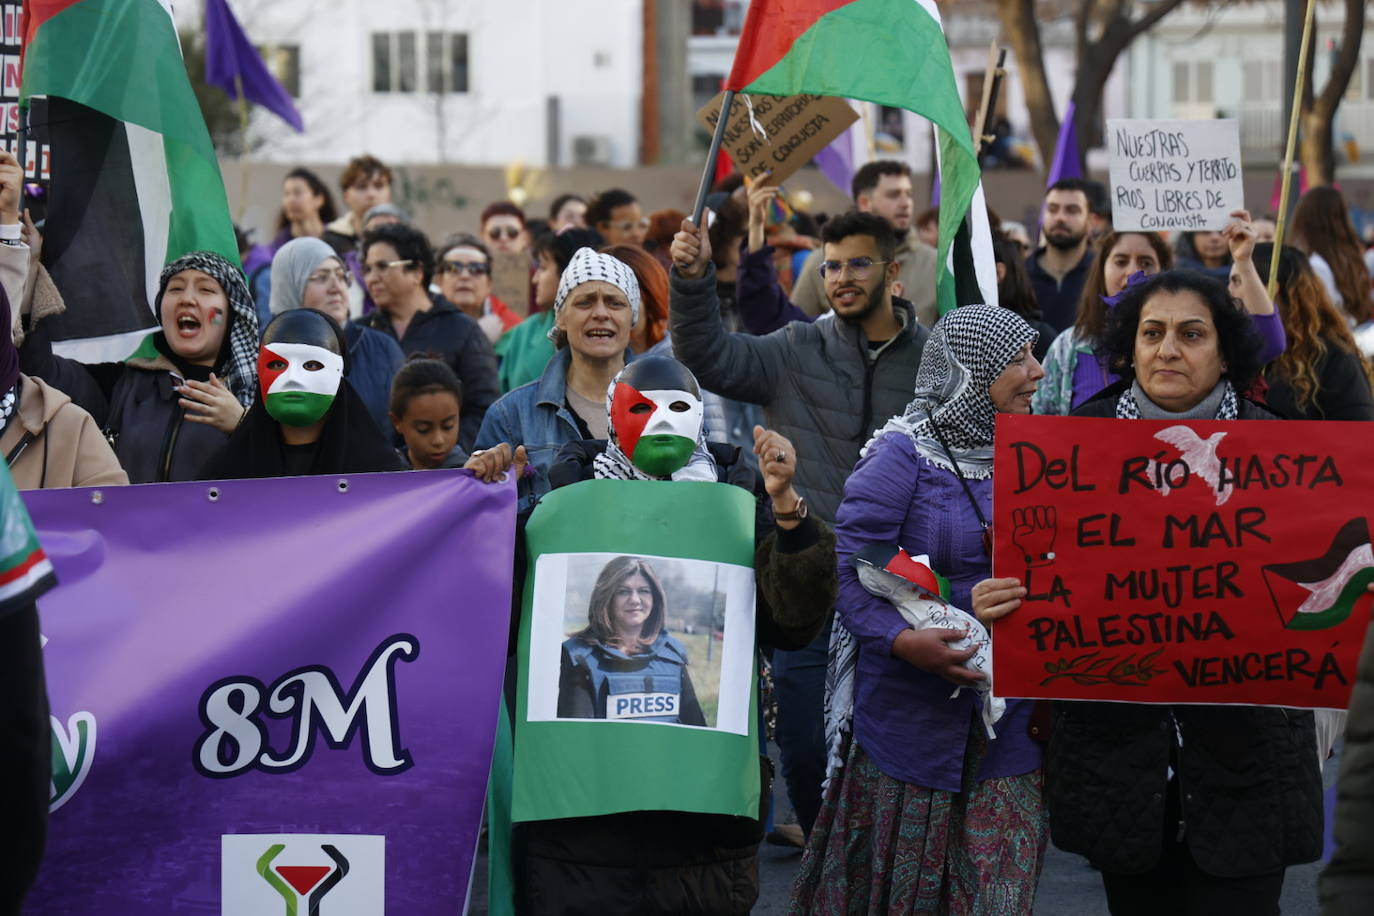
1033,531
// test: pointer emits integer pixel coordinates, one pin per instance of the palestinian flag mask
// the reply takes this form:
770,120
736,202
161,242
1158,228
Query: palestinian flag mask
300,366
656,414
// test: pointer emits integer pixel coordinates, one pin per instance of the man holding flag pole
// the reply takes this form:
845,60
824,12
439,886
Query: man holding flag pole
862,365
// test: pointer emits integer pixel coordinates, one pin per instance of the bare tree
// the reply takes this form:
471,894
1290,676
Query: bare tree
1103,30
1319,109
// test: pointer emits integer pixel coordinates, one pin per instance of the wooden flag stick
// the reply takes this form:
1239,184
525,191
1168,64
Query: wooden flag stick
709,171
1286,181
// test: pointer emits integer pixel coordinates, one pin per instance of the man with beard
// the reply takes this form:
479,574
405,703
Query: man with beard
825,386
1058,270
884,189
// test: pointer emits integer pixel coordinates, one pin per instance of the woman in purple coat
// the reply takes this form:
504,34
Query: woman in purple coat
929,813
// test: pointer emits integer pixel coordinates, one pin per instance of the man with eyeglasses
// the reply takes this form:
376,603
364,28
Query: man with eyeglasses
826,386
463,270
398,264
617,216
882,188
503,228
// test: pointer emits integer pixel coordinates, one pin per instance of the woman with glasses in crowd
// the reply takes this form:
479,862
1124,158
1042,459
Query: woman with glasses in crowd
504,229
307,273
463,271
398,264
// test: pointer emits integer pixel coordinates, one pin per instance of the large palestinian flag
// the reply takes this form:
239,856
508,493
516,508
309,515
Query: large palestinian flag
135,179
890,52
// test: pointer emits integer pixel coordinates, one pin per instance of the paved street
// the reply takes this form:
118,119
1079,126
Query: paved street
1068,886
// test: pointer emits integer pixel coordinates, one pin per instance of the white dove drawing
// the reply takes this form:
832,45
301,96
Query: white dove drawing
1200,455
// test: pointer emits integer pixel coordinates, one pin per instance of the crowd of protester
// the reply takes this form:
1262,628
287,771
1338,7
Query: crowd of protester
353,342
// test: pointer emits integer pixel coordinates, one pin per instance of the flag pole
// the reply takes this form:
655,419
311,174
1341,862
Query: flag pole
709,171
1287,179
243,147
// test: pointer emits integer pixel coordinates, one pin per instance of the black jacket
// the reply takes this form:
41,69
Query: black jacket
445,333
673,861
1248,784
1342,390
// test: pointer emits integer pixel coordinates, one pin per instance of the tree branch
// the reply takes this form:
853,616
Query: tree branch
1349,58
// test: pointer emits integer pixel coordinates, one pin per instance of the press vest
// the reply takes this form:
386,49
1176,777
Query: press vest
642,688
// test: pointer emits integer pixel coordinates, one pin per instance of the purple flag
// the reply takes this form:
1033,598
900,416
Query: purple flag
265,693
1065,163
229,54
836,161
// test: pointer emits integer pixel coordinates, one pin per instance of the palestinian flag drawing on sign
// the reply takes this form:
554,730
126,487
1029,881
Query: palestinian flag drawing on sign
1321,592
889,52
135,179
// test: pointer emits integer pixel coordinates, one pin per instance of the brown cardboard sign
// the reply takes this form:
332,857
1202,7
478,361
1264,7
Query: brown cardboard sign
795,129
510,281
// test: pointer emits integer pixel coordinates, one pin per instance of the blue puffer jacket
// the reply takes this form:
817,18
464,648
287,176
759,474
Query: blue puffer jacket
374,359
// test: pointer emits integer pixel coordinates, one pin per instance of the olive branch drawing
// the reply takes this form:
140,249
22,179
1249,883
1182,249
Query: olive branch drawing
1093,668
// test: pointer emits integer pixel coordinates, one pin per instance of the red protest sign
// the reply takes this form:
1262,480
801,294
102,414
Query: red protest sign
1197,562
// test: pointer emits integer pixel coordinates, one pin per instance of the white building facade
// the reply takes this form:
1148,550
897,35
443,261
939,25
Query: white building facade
480,82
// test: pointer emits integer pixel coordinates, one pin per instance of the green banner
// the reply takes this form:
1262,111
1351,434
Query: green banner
637,688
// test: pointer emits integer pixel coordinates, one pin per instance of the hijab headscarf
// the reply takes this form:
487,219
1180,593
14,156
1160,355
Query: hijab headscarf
238,355
614,464
965,353
586,265
292,265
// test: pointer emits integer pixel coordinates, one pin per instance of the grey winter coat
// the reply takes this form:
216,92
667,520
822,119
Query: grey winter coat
818,384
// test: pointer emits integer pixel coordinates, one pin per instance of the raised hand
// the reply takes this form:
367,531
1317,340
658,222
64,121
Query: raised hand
690,251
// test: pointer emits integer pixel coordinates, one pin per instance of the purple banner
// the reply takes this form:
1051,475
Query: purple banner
272,696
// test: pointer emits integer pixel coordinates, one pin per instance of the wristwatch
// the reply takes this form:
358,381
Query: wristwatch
795,515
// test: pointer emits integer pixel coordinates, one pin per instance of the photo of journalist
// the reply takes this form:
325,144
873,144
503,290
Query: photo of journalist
623,664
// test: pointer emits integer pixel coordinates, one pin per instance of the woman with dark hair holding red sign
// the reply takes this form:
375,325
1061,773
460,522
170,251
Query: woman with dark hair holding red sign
1184,809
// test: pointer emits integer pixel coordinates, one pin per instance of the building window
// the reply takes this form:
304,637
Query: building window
1193,82
402,63
284,63
1181,73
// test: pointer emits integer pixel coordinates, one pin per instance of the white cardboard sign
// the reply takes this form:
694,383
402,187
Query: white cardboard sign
1180,175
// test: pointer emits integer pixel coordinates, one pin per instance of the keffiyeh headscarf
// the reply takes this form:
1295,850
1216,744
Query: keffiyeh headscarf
239,360
587,265
965,353
614,464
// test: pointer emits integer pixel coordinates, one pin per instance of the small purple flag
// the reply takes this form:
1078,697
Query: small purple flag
1065,163
229,54
836,161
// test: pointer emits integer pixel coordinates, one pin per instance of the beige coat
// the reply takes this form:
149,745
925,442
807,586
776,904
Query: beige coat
67,450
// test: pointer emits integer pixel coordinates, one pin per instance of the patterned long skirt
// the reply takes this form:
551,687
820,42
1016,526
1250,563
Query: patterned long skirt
885,846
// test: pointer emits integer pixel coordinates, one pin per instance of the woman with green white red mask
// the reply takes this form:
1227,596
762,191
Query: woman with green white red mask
307,419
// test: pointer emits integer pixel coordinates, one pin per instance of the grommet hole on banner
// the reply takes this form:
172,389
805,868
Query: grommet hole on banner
343,486
212,494
97,497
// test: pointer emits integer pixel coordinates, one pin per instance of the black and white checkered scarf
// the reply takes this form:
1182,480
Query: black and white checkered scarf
965,353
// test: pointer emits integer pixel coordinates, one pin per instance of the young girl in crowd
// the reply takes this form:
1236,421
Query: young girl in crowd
426,400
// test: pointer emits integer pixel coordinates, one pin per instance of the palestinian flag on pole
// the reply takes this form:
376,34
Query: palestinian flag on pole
1321,592
135,181
890,52
25,570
